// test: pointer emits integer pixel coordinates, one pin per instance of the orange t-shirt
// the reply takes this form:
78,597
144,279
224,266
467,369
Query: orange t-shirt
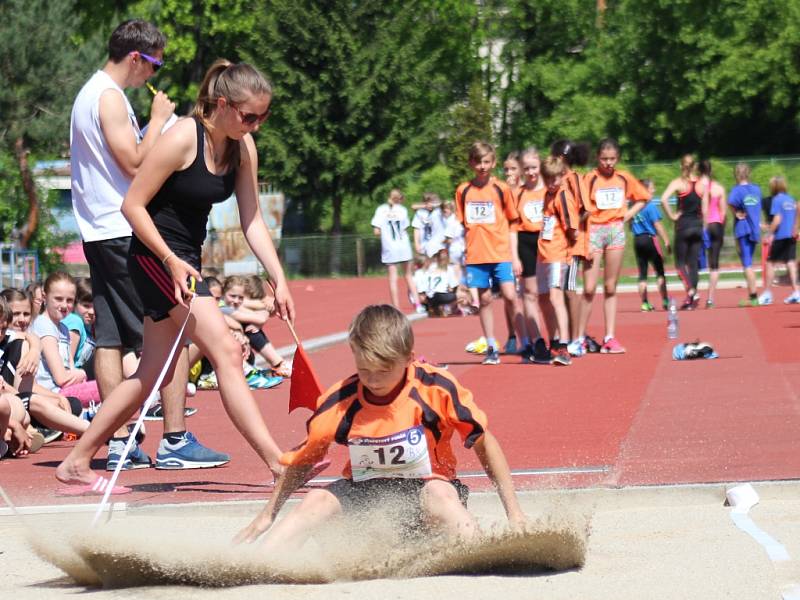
529,205
431,399
486,213
576,185
610,195
560,215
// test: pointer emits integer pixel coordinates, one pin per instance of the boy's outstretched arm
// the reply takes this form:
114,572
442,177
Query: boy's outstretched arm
496,466
288,482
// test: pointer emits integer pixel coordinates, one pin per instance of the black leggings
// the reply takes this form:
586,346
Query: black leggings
688,244
716,233
647,252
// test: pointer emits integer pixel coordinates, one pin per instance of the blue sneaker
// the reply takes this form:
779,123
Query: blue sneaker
260,380
136,459
188,454
511,345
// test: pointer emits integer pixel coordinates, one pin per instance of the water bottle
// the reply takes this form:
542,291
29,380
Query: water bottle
672,320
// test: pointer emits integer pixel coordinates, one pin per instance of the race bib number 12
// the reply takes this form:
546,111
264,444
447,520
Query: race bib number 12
480,212
401,455
609,198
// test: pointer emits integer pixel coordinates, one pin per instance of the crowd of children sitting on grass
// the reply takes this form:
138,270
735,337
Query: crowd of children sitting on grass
529,237
47,385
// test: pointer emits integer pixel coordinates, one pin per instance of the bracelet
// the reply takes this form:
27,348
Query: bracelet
167,257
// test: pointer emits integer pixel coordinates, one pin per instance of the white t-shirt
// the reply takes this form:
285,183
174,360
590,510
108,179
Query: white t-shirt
441,282
98,183
44,327
421,281
454,231
432,226
393,224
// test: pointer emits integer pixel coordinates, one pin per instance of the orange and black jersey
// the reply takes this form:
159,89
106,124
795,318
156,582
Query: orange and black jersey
431,397
530,204
610,195
486,212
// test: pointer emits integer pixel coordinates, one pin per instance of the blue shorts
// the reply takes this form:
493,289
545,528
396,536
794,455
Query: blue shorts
746,249
478,276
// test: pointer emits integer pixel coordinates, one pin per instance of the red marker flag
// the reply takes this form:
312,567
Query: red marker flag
305,387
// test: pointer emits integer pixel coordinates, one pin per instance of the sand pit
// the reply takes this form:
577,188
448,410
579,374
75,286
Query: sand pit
666,543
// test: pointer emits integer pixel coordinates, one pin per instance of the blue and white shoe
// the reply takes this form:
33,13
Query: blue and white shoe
765,299
259,380
576,348
188,454
136,459
793,299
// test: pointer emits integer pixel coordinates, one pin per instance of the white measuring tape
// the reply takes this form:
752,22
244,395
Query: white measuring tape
138,425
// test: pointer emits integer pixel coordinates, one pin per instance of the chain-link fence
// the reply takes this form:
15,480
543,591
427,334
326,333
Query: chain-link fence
330,255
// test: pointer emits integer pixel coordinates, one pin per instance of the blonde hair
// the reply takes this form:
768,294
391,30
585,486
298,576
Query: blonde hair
777,185
552,167
381,335
234,82
687,165
741,172
480,149
233,281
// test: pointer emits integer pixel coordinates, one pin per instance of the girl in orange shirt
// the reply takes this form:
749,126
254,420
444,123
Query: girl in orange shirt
609,191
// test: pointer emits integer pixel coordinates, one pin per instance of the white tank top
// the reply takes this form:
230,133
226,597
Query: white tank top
98,183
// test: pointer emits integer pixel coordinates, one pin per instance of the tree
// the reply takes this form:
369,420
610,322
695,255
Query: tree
41,68
470,121
361,92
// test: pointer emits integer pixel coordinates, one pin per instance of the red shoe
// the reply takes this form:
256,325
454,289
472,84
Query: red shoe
612,346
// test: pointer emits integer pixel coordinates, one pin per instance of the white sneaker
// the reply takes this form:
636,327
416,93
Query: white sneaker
765,299
793,299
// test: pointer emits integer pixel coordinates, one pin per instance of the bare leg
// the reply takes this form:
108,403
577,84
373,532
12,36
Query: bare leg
412,287
392,270
51,415
123,402
713,278
791,266
613,265
560,311
750,276
511,306
291,532
548,314
591,273
574,304
173,394
485,313
769,274
207,328
443,509
108,371
533,314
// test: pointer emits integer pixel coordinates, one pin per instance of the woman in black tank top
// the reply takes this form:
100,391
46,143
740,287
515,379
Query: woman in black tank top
689,221
199,161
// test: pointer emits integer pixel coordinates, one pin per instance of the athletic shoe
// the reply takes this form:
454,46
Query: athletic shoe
647,307
257,380
207,381
612,346
420,309
156,412
136,459
191,389
591,345
748,302
665,303
492,357
576,348
793,299
541,355
188,454
765,299
49,435
511,345
561,356
478,346
709,304
688,303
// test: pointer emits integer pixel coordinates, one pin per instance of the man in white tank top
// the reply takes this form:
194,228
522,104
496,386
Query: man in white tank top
107,149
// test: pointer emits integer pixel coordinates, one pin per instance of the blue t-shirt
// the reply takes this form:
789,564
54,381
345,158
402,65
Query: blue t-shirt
785,206
747,197
86,345
644,221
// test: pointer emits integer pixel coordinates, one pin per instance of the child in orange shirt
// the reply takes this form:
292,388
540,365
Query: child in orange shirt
609,190
487,210
396,417
559,228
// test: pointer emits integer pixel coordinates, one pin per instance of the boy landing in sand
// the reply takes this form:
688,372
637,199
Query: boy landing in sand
396,416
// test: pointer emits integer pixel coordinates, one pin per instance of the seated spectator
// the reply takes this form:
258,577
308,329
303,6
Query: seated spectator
80,324
442,285
421,264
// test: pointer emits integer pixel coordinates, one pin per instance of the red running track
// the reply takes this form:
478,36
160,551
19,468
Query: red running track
633,419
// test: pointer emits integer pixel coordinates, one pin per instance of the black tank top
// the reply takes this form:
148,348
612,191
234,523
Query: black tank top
181,207
690,205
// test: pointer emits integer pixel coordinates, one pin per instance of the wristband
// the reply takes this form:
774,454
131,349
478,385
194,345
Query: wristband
167,257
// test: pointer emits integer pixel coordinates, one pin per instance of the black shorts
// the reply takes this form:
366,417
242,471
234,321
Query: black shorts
783,251
528,250
10,355
257,340
155,285
117,307
402,494
648,252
